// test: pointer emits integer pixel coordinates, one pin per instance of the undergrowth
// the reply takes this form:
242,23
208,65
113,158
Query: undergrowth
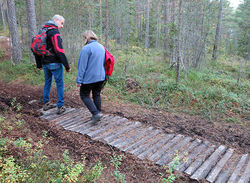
214,92
23,160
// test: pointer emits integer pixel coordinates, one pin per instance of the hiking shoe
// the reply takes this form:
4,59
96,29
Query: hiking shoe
97,117
61,110
48,106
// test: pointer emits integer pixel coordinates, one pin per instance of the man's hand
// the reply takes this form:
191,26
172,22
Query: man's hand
78,85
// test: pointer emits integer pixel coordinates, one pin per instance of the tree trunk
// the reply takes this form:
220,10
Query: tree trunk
3,15
166,29
158,28
118,23
239,72
248,48
40,13
179,43
173,38
218,32
16,48
140,22
31,18
100,17
107,23
147,25
89,16
22,33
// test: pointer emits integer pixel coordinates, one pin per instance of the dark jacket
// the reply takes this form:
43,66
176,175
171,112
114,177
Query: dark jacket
54,45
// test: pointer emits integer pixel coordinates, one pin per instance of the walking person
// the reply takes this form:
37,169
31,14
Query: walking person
52,64
91,74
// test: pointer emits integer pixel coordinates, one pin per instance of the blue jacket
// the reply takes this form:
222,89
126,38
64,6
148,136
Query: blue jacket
91,63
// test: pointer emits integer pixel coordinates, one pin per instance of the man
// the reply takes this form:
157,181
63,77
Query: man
52,65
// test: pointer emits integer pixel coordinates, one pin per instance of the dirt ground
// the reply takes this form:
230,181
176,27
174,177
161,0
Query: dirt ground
136,170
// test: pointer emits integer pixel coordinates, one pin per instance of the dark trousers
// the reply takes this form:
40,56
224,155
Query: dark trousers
94,105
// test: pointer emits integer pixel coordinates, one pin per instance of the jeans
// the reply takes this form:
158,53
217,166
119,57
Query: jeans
95,105
56,70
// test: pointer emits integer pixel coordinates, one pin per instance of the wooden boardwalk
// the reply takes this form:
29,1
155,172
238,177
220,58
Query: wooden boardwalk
204,160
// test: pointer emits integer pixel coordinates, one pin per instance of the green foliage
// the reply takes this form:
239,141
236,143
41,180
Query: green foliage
213,93
2,54
170,171
35,166
11,171
28,73
95,173
116,162
24,71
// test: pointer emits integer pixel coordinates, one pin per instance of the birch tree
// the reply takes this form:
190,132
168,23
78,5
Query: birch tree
16,47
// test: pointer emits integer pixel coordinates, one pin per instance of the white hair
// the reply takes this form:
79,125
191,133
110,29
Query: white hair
58,17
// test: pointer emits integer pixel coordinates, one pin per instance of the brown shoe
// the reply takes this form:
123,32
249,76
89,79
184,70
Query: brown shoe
61,110
48,106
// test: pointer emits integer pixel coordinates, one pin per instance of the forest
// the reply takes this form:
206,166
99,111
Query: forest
181,66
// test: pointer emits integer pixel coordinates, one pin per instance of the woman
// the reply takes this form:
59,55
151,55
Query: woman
91,74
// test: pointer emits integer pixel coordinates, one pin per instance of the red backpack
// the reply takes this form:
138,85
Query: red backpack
39,43
109,62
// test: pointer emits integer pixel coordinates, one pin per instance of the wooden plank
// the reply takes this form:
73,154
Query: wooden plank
223,177
123,138
73,121
85,124
155,147
200,159
101,127
53,114
140,142
192,155
245,178
112,129
122,131
66,116
164,149
204,169
170,154
238,168
228,169
217,169
77,123
147,145
134,138
194,143
65,121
